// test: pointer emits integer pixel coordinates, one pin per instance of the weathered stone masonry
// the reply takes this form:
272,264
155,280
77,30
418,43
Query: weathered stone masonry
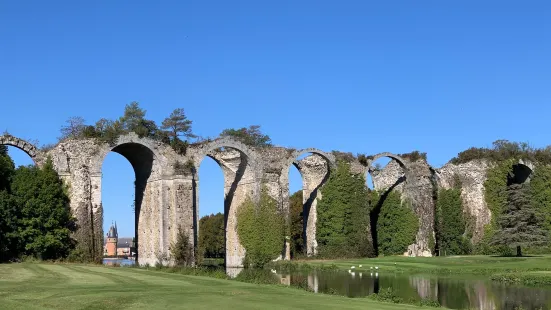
167,187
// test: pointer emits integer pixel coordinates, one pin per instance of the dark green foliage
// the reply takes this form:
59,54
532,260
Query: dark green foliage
503,150
397,225
540,193
46,223
495,188
8,211
414,156
251,136
212,236
178,145
343,215
261,228
177,124
297,223
363,159
450,222
7,168
519,222
182,249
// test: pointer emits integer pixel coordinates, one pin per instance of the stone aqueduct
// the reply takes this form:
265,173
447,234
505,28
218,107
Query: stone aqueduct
167,187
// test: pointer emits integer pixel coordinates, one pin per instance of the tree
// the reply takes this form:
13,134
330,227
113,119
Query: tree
212,239
8,212
133,117
182,249
343,215
519,223
297,223
45,224
74,128
251,136
178,125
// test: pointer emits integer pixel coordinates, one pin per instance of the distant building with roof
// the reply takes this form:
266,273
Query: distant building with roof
115,246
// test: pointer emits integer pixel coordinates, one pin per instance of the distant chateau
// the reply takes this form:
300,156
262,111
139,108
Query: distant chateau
115,246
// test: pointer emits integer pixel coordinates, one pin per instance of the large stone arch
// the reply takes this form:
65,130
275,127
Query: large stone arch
242,178
395,157
312,180
21,144
147,162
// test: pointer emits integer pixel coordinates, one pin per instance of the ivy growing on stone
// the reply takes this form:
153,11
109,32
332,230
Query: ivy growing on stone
261,228
343,228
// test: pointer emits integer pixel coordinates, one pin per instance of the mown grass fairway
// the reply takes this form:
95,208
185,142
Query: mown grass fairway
65,286
443,265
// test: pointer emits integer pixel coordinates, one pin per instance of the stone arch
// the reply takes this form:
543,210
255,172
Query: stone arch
147,163
242,178
310,190
521,172
227,142
395,157
21,144
374,214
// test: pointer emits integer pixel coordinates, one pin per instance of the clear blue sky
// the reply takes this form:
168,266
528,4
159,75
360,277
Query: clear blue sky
357,76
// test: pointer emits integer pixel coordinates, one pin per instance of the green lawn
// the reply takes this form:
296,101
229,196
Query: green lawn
66,286
444,265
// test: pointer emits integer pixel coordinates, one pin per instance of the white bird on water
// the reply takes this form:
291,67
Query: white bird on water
377,267
352,267
360,266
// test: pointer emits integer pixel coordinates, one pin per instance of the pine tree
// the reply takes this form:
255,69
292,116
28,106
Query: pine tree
520,223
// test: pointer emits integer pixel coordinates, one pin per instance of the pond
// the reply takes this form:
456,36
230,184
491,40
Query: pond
119,261
451,292
454,292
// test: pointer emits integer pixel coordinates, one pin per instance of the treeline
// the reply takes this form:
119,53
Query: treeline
503,150
35,218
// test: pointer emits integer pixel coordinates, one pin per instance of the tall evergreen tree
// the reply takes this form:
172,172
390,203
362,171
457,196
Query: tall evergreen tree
178,124
343,215
520,224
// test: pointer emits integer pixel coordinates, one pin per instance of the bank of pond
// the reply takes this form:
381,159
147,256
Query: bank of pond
459,291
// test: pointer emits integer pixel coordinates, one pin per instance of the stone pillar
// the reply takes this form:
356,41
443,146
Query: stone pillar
180,212
315,171
239,183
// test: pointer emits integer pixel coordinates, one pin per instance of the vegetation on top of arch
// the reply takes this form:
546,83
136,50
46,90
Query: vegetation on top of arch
502,150
175,130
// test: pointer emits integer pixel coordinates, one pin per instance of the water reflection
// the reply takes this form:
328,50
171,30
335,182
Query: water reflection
450,292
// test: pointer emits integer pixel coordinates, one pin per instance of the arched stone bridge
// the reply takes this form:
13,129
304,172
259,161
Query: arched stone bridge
167,186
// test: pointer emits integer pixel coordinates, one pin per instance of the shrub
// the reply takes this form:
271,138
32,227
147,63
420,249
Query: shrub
182,249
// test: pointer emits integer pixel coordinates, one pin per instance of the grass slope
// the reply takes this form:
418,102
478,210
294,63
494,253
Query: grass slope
486,265
66,286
